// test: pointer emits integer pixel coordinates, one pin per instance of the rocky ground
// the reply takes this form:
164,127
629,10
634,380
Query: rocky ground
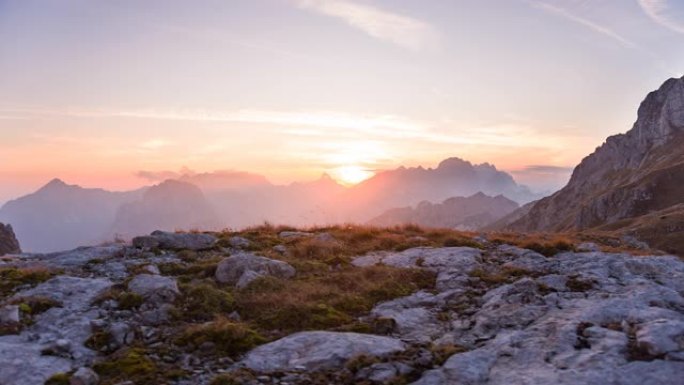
342,306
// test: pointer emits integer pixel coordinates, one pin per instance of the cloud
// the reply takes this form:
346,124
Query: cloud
659,11
398,29
594,26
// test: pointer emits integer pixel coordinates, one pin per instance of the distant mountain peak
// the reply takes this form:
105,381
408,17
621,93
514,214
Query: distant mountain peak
453,162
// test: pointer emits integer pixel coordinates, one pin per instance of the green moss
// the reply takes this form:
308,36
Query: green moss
229,338
58,379
202,301
12,277
99,341
129,301
128,365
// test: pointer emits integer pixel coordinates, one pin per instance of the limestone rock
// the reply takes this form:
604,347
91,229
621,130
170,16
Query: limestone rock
318,350
84,376
176,241
9,315
231,270
154,288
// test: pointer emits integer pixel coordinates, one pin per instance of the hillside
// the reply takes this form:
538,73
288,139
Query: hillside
342,305
627,180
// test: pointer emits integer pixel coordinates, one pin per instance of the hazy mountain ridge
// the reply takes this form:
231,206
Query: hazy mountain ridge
59,216
631,175
463,213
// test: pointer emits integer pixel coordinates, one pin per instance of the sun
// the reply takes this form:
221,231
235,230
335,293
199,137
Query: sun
351,175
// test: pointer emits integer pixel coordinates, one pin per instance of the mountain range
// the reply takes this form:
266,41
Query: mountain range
60,216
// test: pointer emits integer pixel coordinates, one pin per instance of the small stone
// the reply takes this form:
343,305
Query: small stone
84,376
151,269
9,315
239,242
587,247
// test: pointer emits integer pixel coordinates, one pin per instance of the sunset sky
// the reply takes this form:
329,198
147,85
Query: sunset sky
96,91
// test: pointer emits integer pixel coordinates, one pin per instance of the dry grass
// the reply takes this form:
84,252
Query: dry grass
13,277
329,301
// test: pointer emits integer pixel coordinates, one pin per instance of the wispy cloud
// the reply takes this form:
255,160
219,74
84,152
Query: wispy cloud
659,11
578,19
381,24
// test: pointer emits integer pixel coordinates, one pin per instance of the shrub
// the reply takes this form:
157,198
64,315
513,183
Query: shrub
128,365
58,379
13,277
229,337
202,301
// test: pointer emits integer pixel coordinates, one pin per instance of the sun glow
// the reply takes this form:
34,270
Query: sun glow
351,175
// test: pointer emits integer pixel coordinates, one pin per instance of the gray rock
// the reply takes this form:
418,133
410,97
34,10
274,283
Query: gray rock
154,288
145,242
280,249
80,257
22,361
587,247
178,241
121,333
239,242
318,350
9,315
231,270
295,234
84,376
463,259
247,277
382,373
661,336
151,269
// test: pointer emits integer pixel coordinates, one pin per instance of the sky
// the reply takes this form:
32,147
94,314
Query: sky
106,93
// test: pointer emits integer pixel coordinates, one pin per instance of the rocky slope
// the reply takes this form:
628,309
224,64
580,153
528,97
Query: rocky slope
631,175
8,241
289,307
463,213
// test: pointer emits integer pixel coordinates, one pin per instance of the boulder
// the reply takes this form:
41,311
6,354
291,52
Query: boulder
154,288
231,270
176,241
319,350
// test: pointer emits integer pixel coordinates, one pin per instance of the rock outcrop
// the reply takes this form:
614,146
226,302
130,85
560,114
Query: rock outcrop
8,241
175,241
313,351
242,268
628,178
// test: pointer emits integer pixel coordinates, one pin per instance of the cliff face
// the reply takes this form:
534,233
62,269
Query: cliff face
630,175
8,241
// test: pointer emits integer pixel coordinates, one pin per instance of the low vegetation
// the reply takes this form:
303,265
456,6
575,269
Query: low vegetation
12,278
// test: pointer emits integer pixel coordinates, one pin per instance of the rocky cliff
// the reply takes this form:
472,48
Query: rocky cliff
8,241
631,175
